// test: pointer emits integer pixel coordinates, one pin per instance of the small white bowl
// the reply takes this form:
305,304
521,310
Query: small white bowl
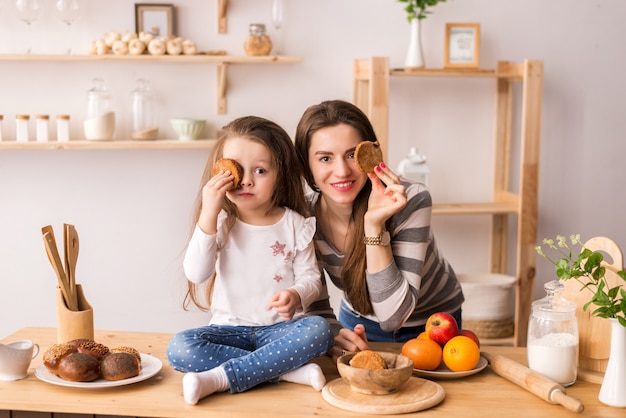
188,129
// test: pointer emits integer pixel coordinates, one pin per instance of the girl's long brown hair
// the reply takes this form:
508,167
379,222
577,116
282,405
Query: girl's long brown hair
289,190
333,113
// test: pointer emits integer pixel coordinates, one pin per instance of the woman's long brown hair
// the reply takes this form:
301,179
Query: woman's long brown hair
333,113
289,190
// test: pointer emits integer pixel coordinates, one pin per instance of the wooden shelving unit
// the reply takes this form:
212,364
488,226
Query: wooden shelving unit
222,62
371,94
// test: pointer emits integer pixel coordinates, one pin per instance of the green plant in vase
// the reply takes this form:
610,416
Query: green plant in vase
586,267
416,11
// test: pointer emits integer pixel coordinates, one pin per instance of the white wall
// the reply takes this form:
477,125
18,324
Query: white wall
132,208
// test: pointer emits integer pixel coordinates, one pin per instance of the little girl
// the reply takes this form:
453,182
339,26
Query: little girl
252,250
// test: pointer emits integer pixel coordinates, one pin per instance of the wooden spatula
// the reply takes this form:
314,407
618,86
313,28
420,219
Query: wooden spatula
57,265
71,256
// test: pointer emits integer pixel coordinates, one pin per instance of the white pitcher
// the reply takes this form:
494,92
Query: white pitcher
15,358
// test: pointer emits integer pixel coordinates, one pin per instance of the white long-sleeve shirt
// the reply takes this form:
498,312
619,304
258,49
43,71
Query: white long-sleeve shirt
251,264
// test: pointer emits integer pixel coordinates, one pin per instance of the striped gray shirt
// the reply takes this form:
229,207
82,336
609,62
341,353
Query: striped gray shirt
418,283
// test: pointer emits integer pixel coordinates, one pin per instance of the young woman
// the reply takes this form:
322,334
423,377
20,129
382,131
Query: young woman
373,235
252,249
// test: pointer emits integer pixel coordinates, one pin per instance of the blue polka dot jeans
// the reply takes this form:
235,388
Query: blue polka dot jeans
251,355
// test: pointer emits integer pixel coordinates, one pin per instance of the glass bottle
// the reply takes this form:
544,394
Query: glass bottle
553,336
21,128
100,121
41,127
63,128
257,42
414,167
143,112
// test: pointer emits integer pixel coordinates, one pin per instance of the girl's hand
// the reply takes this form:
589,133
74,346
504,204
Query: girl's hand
213,194
285,303
348,341
388,195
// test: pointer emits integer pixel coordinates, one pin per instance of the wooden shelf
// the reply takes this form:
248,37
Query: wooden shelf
506,70
110,145
222,62
371,93
475,208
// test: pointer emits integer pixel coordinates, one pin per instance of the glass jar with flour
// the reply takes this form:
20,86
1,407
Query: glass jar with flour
553,336
100,121
143,112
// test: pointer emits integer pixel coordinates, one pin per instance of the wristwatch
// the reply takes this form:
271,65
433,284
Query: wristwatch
383,239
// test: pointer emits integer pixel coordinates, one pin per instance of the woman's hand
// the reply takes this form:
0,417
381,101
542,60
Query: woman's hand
213,194
348,341
387,198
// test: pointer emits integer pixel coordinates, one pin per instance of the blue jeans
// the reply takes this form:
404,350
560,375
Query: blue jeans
350,318
250,355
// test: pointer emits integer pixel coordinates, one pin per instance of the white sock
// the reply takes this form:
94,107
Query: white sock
310,374
198,385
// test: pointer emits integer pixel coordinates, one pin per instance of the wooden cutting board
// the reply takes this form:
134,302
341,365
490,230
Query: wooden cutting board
417,394
594,333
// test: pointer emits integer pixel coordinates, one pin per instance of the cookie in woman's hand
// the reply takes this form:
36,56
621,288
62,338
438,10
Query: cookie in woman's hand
367,156
227,164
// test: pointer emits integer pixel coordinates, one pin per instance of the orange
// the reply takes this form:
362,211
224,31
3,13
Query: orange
423,336
461,353
426,354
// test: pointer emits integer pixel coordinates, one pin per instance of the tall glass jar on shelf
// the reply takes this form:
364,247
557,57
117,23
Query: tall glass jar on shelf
144,111
100,121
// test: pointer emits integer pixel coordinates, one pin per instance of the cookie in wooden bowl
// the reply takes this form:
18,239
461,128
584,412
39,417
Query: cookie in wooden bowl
367,156
227,164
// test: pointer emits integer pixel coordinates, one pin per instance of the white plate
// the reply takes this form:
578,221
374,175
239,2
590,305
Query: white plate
442,372
149,367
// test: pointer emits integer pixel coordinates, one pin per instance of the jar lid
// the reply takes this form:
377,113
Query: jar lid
46,117
257,28
22,117
554,302
65,117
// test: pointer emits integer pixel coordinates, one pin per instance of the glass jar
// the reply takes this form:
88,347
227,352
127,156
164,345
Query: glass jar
414,167
21,128
143,112
257,42
63,128
100,121
553,336
41,127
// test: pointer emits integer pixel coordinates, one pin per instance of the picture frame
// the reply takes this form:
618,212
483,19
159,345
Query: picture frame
462,46
155,18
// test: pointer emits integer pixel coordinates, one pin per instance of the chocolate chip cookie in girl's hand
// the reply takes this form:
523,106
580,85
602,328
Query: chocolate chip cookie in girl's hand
227,164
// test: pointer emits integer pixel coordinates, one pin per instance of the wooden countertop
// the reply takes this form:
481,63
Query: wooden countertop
484,394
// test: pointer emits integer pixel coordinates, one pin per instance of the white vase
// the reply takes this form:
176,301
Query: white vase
415,54
613,389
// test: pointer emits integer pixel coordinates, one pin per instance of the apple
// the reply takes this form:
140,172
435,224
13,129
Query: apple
441,327
470,334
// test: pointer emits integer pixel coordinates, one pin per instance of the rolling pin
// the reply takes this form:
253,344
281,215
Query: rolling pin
541,386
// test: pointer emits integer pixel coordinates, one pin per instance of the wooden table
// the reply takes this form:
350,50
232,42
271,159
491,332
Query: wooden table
484,394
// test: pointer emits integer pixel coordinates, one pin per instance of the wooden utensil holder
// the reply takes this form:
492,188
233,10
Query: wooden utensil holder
74,324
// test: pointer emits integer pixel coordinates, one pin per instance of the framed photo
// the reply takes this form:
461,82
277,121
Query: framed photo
462,48
155,18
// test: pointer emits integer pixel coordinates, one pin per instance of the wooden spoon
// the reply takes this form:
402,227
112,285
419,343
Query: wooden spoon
57,265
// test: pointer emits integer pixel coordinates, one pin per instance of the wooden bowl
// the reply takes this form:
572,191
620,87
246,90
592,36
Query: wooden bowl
376,382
